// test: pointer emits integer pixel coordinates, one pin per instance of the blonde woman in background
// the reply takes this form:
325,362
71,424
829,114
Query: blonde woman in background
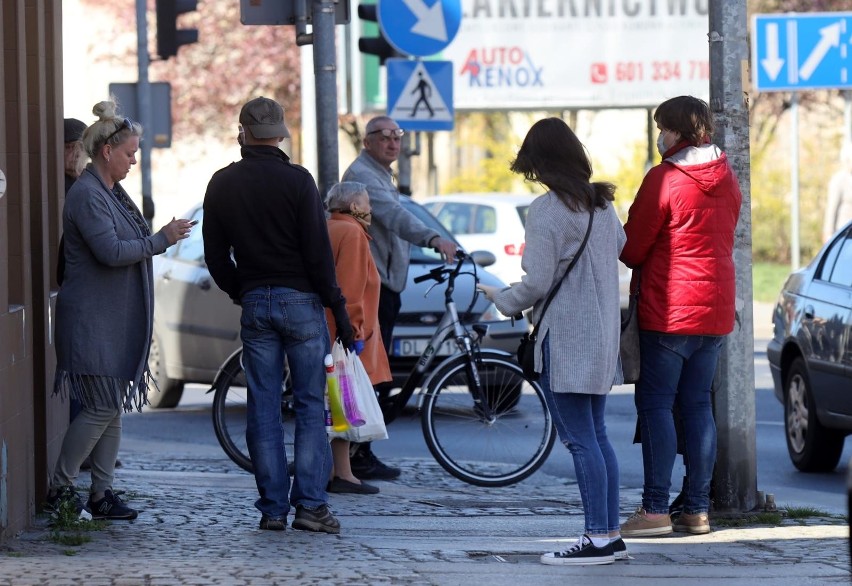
104,311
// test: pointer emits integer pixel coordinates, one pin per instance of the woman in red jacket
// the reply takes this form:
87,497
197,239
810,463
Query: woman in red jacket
680,240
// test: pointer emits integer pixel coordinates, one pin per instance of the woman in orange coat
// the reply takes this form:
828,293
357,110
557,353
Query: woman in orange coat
358,278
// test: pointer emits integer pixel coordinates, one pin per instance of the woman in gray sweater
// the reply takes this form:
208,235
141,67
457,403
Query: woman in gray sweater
104,311
578,340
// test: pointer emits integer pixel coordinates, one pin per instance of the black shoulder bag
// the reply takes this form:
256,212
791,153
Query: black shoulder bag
526,349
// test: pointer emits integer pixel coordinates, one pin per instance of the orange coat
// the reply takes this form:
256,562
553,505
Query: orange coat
359,281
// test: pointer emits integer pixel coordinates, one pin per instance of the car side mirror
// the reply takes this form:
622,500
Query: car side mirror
483,258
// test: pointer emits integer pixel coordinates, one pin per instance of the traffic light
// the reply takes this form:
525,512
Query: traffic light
169,36
378,46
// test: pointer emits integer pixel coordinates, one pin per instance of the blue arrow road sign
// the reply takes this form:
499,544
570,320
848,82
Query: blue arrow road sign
419,27
801,51
420,94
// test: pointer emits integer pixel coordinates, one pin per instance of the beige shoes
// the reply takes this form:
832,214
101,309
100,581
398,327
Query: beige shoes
697,523
640,525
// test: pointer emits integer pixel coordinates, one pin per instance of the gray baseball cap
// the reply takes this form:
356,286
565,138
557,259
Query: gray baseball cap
264,118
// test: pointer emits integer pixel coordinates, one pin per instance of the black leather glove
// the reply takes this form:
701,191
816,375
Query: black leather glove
345,333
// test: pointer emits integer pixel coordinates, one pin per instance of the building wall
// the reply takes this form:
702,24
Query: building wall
31,421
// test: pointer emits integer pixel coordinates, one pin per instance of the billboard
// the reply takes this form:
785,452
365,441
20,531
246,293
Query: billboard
562,54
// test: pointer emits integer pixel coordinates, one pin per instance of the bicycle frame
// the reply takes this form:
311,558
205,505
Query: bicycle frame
471,403
393,406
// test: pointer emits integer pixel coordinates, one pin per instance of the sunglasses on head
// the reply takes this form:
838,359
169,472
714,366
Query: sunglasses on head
388,132
127,123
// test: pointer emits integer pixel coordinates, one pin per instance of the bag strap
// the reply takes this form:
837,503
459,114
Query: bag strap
568,270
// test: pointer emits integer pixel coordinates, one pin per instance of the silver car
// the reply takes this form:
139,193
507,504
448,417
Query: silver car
197,326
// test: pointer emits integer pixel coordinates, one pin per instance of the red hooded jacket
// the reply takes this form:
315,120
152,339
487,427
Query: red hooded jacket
680,237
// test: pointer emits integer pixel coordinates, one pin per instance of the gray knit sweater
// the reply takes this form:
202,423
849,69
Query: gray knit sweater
583,320
105,307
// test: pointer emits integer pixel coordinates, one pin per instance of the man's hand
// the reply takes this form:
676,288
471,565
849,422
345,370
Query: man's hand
447,248
345,333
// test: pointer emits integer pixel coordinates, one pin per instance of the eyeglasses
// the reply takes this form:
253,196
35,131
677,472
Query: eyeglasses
389,132
127,123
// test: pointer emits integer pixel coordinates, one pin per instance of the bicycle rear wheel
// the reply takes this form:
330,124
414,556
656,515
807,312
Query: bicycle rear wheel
229,413
501,451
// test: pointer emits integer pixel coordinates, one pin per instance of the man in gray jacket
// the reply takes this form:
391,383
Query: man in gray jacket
392,229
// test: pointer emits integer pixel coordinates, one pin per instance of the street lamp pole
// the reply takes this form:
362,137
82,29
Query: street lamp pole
735,475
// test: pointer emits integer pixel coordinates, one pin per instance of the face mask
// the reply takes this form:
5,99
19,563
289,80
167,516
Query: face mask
364,217
661,147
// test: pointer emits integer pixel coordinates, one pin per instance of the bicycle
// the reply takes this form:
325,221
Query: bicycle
483,421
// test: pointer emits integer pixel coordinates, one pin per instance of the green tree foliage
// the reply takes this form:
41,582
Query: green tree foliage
628,177
488,141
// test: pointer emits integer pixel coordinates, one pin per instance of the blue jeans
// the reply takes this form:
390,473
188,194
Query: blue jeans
579,421
677,369
278,322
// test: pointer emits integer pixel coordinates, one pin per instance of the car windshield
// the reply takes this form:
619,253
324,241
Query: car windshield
420,254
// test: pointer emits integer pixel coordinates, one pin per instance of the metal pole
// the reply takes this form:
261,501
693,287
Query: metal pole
403,164
847,116
325,72
143,102
735,475
795,247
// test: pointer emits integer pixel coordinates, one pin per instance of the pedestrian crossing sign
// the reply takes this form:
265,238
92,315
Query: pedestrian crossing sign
420,94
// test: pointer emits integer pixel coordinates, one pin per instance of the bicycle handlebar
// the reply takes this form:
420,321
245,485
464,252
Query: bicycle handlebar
437,274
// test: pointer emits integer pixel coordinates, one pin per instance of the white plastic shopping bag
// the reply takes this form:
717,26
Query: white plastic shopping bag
373,427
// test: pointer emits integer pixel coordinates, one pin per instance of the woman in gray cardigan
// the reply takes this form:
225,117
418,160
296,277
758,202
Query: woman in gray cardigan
104,311
577,348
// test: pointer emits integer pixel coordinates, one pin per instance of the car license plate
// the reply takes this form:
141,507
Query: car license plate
416,346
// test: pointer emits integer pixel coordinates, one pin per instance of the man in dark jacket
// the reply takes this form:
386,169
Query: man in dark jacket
268,212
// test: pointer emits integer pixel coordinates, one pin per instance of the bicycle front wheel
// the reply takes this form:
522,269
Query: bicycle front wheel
497,451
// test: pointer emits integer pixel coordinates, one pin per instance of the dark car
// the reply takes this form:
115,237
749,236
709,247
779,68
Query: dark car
197,327
810,356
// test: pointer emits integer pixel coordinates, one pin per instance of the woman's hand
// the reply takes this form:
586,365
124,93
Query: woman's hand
489,291
177,230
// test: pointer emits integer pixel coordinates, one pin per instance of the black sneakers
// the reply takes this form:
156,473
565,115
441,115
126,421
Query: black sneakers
273,523
64,494
366,466
582,553
320,520
110,507
619,549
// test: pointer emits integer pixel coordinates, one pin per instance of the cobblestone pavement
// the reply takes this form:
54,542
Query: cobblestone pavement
198,526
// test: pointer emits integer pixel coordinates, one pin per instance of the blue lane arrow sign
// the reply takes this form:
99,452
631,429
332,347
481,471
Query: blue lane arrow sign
419,27
794,52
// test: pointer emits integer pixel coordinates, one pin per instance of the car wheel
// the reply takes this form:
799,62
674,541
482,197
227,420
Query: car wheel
812,447
170,389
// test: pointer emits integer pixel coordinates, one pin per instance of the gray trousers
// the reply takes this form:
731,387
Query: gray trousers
95,433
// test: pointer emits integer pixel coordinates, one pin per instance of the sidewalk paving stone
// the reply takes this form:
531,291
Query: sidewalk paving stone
198,526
